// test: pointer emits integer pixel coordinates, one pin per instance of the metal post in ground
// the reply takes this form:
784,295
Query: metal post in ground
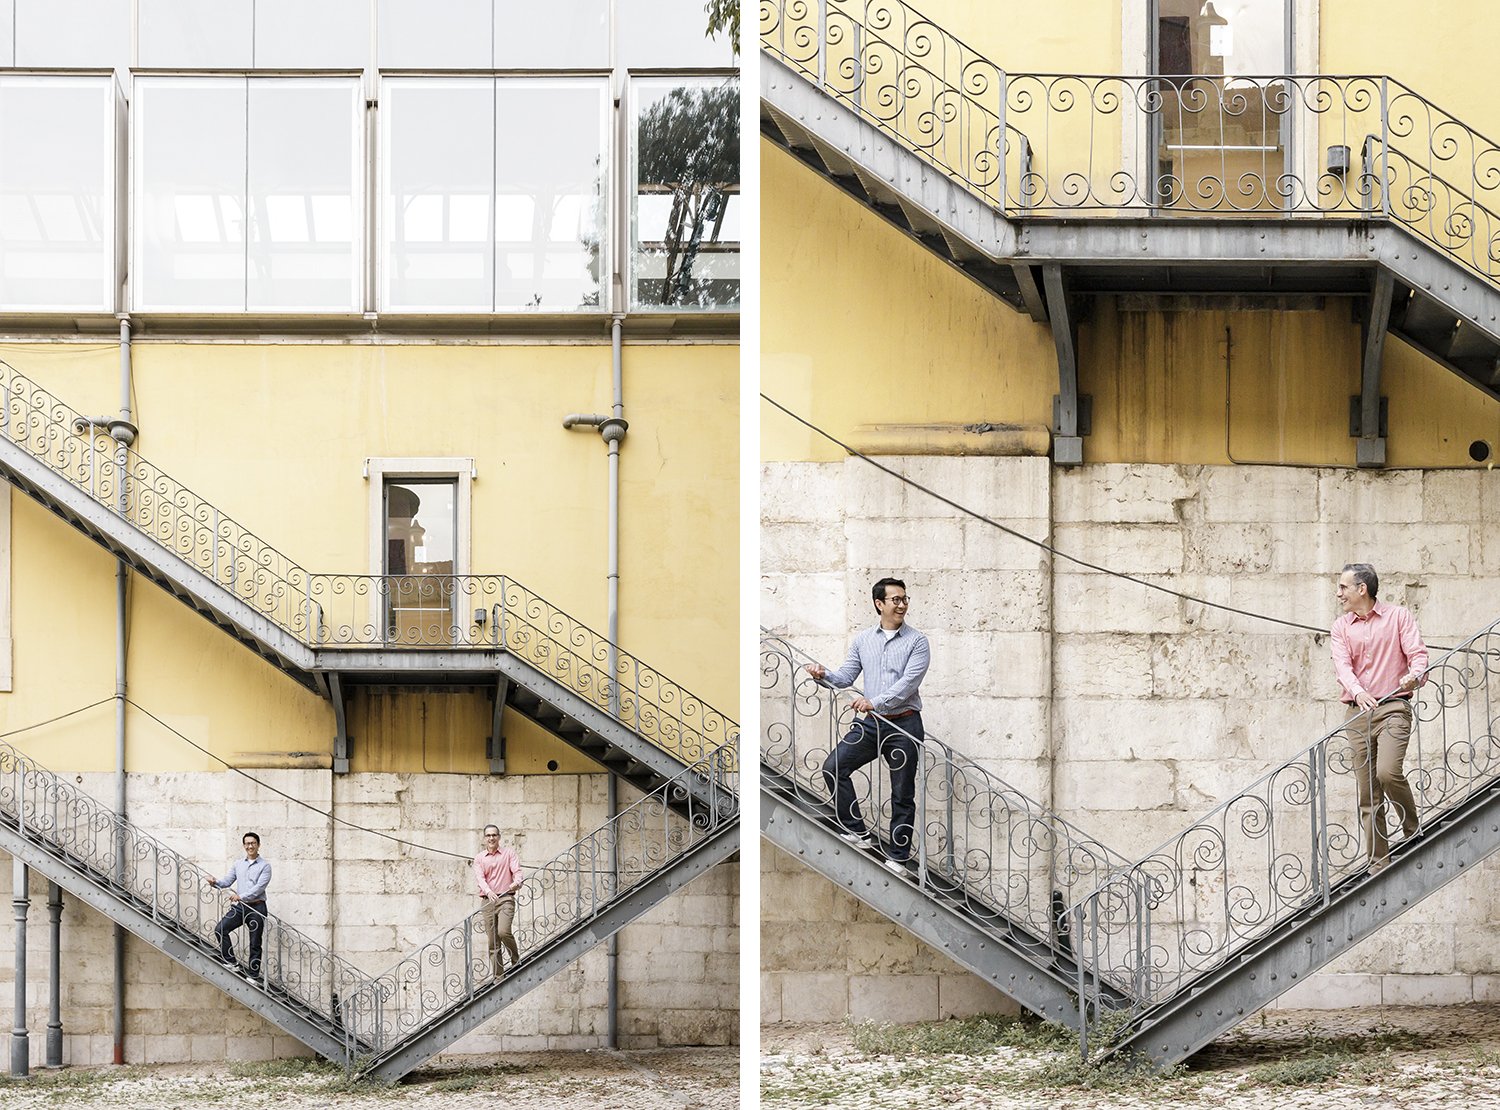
54,983
20,1043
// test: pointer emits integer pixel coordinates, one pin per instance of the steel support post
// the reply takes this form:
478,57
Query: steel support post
1370,451
54,981
20,1041
1067,438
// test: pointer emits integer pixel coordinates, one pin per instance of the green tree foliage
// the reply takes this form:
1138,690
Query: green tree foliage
724,18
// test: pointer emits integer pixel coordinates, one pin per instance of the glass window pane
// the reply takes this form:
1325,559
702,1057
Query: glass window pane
57,194
192,33
421,519
8,32
189,193
435,34
437,251
563,34
684,211
549,204
91,33
304,194
668,34
299,34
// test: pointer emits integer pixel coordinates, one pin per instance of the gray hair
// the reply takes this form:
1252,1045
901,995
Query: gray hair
1364,575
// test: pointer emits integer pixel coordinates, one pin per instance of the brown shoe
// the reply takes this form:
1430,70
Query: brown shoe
1379,865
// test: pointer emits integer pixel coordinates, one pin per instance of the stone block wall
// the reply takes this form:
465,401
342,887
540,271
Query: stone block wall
374,901
1130,711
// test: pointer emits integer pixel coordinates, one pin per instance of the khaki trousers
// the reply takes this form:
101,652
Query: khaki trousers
1379,744
498,915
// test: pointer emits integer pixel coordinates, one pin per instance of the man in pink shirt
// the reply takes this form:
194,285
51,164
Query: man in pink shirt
498,873
1379,658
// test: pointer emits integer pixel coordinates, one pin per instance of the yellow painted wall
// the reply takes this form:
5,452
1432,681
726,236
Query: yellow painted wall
863,326
277,435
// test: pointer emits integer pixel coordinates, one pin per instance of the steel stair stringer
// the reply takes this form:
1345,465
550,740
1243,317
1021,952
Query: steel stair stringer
1360,906
537,967
1000,952
156,563
317,1031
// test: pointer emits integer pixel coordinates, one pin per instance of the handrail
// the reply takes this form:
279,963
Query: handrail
1280,847
982,842
1116,144
565,894
161,883
459,612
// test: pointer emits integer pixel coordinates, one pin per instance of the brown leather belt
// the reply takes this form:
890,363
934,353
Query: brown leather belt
899,716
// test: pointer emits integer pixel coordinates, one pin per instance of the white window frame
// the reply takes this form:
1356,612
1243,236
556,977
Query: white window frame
378,471
5,636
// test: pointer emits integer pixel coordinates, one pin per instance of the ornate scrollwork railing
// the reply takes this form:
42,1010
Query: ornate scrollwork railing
566,893
479,612
1036,144
93,840
1011,862
1281,846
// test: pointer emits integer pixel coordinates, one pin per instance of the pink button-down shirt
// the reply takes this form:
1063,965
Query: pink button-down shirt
1373,653
496,872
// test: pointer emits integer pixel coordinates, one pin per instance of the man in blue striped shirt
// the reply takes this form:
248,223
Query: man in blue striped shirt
248,879
893,657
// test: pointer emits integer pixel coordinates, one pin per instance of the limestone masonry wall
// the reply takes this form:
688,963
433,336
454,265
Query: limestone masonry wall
1130,711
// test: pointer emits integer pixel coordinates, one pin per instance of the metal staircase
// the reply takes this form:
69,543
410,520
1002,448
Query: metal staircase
624,868
329,631
387,1024
992,869
1051,188
1272,884
138,882
1171,950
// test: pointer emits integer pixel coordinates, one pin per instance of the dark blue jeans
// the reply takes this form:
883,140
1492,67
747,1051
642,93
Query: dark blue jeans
869,739
254,920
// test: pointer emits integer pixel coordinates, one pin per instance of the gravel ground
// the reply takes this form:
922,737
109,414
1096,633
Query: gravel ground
1409,1057
670,1079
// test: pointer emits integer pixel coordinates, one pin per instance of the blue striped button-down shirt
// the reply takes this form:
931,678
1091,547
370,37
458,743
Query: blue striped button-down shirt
249,879
893,668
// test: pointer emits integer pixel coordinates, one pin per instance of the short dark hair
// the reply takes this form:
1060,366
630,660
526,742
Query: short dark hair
1364,574
877,591
487,828
248,835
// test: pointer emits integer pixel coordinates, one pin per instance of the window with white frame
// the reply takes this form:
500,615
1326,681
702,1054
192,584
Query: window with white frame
247,194
685,200
92,34
668,34
493,194
419,546
58,155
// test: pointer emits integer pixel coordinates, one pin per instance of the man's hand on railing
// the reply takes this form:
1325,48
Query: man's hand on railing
863,705
817,670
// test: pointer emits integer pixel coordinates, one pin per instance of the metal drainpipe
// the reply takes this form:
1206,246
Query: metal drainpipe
124,433
612,428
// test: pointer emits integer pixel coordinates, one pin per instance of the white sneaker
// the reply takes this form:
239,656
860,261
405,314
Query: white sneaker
859,840
896,865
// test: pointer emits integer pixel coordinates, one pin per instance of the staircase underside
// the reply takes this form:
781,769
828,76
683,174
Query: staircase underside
1439,306
536,968
1004,955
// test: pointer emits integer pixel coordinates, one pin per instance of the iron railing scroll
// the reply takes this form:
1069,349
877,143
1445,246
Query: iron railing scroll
1348,146
463,612
554,900
979,841
92,840
1279,848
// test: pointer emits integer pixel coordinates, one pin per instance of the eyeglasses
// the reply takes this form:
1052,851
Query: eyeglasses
898,600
